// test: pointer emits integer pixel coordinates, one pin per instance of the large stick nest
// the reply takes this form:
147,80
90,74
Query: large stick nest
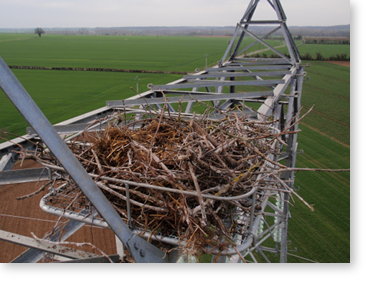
221,158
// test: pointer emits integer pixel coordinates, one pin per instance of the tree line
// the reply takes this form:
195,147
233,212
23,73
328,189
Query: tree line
308,57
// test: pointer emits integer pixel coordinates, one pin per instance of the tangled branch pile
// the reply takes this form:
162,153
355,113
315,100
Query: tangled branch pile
210,169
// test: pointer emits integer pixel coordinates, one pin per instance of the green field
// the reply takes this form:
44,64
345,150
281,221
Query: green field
326,50
65,94
128,52
175,53
322,235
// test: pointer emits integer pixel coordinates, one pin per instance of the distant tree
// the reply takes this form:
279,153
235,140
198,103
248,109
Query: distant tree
39,31
307,57
319,57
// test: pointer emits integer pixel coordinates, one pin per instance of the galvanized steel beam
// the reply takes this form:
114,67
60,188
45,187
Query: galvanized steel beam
267,108
7,161
24,175
60,235
44,245
236,66
235,74
209,83
188,98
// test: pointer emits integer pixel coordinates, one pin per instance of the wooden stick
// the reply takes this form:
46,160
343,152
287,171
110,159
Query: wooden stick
200,198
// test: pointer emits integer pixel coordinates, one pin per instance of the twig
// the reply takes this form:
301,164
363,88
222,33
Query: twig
42,188
200,198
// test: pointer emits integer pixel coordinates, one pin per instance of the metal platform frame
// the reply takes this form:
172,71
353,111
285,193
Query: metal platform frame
269,89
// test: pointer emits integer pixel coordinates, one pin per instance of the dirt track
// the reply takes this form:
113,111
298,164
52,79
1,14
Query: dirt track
341,63
30,218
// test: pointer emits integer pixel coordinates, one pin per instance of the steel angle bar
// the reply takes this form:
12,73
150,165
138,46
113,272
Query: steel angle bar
189,98
150,93
7,161
267,108
283,156
236,74
90,116
230,103
264,22
268,249
271,4
264,60
140,249
71,128
234,66
231,44
247,17
250,63
112,258
250,9
266,44
184,92
278,8
44,245
294,53
24,175
216,83
26,141
61,234
159,95
263,37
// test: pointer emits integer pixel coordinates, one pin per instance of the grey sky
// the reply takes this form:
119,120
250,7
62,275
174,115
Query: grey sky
109,13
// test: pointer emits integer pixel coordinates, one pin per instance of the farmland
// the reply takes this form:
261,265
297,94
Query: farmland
129,52
177,53
325,50
322,235
62,95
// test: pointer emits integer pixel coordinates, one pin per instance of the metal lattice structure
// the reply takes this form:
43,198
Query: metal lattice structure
268,88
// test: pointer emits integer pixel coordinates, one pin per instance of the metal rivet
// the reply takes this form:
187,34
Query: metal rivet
135,246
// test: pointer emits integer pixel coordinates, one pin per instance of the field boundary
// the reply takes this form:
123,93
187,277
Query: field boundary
340,63
94,69
326,135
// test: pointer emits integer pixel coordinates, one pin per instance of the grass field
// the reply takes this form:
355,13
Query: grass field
129,52
322,235
65,94
175,53
326,50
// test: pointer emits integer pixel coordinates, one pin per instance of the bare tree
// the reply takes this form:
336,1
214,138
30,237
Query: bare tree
39,31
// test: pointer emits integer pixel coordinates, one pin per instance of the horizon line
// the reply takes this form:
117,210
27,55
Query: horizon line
161,26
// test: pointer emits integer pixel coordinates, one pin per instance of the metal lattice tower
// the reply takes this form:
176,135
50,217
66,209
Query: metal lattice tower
273,86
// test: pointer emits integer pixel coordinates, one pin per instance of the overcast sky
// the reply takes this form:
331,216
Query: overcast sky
110,13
